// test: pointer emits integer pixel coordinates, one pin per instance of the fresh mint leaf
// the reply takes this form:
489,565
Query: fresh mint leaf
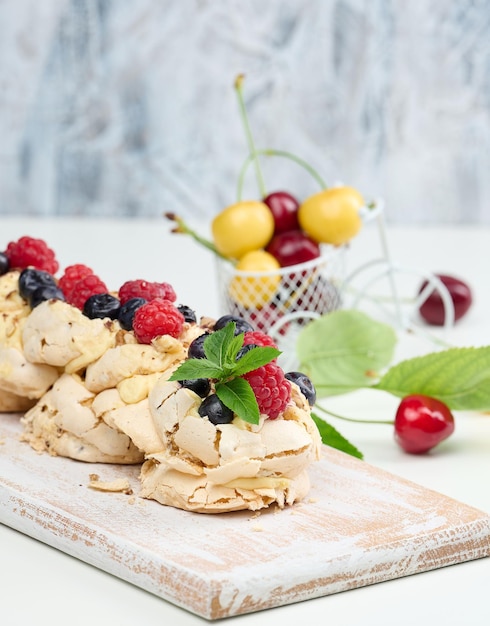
459,377
331,437
196,368
238,396
254,358
216,344
344,350
221,349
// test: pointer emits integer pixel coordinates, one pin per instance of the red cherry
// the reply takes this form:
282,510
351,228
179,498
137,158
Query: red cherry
292,247
284,207
422,422
432,310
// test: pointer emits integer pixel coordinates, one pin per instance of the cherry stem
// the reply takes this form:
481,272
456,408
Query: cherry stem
251,145
352,419
280,153
182,227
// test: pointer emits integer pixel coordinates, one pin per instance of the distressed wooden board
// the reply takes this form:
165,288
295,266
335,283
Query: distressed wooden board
361,525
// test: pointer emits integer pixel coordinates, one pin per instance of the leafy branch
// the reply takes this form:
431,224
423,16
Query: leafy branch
347,350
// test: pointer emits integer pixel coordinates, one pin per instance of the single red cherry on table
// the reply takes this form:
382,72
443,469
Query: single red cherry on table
284,208
432,310
293,247
422,422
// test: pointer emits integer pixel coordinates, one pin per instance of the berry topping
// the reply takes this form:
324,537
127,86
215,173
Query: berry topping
45,292
31,279
155,318
101,305
188,313
4,263
241,379
258,338
196,349
71,275
147,290
84,288
127,311
201,386
305,385
244,349
31,252
215,410
242,326
271,389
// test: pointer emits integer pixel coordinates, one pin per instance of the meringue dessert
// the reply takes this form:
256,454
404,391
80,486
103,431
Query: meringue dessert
22,382
129,377
207,468
74,418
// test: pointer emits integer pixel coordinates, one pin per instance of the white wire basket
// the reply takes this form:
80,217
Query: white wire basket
275,299
283,301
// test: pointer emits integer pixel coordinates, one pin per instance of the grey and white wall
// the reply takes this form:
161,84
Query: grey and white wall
127,107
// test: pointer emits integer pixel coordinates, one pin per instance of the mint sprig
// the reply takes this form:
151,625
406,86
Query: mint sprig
221,365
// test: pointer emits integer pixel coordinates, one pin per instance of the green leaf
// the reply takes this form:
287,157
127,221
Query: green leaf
459,377
331,437
221,349
255,358
344,350
238,396
196,368
216,344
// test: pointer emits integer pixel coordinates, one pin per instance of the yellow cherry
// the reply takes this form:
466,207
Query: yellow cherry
260,281
242,227
332,215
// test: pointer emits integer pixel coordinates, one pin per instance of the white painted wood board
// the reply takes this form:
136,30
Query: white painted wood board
360,525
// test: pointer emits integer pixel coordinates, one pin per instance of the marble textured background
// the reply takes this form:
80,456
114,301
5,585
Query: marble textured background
127,107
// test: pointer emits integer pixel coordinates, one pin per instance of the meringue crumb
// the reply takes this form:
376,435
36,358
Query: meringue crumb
2,442
120,485
255,515
256,528
131,500
312,500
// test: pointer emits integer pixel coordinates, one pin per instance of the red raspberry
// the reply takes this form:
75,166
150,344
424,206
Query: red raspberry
147,290
271,389
72,274
84,288
30,252
155,318
258,338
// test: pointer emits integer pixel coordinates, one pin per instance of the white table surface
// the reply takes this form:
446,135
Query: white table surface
40,585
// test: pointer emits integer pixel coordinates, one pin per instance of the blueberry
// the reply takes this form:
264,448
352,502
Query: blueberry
4,263
215,410
196,349
244,349
101,305
304,383
242,326
127,311
201,386
188,313
45,292
31,279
